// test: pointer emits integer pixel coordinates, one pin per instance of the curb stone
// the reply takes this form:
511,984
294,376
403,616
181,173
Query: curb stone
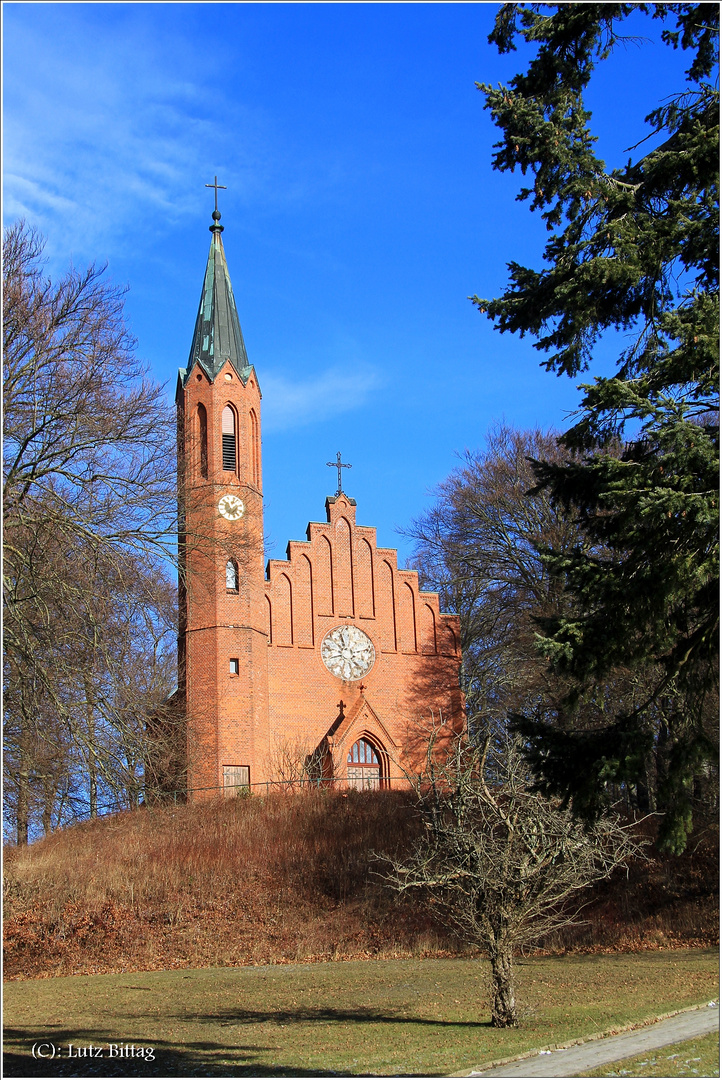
549,1048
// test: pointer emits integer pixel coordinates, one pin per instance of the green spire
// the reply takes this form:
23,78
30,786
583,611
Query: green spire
217,336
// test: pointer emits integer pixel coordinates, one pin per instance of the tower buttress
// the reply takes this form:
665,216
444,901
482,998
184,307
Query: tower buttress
223,641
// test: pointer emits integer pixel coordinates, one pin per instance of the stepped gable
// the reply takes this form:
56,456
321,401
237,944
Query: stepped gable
340,572
340,580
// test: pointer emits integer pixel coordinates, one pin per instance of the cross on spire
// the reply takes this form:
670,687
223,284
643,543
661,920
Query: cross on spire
338,464
217,186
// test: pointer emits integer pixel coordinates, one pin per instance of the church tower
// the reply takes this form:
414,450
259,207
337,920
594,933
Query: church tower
222,634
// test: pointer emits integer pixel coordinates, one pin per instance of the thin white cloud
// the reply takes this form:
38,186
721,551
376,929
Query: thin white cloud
92,141
295,402
125,117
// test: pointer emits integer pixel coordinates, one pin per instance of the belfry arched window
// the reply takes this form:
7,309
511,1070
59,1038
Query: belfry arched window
232,575
363,766
228,430
202,434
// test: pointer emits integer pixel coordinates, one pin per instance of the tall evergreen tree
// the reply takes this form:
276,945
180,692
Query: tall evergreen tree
631,249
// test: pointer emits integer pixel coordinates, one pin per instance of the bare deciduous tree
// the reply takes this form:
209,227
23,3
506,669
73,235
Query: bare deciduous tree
484,546
503,863
300,763
478,545
89,525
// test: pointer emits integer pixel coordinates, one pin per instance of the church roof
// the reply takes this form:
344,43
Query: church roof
217,337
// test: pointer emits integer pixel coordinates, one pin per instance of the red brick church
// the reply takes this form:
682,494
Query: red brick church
332,657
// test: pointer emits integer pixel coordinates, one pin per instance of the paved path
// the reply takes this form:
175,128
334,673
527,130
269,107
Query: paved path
591,1055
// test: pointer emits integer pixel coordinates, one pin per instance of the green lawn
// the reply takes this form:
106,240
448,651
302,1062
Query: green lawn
403,1017
695,1057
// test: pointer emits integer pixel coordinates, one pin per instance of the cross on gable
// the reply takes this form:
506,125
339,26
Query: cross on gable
337,464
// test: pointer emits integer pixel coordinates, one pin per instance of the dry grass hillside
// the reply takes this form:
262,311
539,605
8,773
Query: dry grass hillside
279,879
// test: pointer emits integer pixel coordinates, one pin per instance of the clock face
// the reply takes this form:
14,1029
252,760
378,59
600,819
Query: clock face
348,653
231,508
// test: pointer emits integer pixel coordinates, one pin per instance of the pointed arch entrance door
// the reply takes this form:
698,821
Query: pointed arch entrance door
363,766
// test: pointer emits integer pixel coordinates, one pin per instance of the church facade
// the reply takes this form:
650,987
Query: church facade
331,664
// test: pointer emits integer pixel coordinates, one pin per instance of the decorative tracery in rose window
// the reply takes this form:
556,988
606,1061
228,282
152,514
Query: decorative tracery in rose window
348,653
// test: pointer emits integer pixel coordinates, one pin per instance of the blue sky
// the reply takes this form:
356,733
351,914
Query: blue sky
361,212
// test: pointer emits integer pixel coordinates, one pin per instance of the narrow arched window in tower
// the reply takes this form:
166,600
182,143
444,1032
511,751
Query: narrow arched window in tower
203,441
232,576
255,451
228,430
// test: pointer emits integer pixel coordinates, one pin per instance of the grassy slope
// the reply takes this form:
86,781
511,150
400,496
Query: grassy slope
277,880
403,1017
